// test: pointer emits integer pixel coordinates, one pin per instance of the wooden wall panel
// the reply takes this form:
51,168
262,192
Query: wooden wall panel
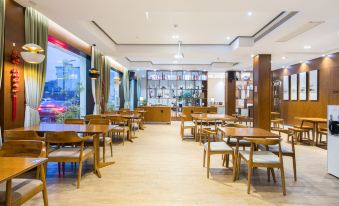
230,89
14,33
328,89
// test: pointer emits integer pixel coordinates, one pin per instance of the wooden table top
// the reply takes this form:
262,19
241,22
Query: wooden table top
79,128
127,116
247,132
312,119
275,113
207,116
11,167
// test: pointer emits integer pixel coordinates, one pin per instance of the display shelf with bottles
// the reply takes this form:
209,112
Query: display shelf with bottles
244,93
177,89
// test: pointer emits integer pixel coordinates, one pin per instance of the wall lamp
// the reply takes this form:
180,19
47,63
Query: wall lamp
32,53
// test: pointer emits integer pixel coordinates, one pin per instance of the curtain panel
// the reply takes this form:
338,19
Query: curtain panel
125,81
106,80
96,84
2,30
36,31
139,90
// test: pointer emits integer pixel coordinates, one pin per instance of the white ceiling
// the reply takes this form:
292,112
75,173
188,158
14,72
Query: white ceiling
203,28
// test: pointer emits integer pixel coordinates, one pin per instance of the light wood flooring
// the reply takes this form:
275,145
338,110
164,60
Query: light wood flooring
160,169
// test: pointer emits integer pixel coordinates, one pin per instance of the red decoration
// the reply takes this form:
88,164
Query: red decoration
15,77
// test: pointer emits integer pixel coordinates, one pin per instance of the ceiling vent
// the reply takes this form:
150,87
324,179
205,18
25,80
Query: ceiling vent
300,30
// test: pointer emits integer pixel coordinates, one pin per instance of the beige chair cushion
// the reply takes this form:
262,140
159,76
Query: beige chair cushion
23,190
120,129
189,124
70,152
233,142
260,156
275,149
218,147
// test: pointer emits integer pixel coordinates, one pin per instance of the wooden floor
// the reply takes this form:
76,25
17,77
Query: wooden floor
160,169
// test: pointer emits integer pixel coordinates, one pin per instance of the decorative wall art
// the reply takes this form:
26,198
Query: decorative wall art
302,86
313,88
294,87
286,86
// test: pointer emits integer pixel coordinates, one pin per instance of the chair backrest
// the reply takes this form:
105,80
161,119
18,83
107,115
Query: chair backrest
117,119
74,121
63,137
92,116
183,117
264,141
22,135
23,148
235,125
100,121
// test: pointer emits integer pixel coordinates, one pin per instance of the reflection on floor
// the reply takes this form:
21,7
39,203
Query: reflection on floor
160,169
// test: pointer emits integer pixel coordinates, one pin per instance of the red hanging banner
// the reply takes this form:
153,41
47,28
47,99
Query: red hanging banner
15,78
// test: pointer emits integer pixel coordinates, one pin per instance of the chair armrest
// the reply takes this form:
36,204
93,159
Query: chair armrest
87,137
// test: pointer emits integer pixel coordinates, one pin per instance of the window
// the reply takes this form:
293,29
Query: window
64,95
114,99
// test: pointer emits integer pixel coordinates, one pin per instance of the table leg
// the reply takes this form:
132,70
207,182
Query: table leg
9,192
235,164
314,132
195,131
96,145
102,164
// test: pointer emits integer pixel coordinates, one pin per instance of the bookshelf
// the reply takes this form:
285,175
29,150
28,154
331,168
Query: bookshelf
244,93
176,89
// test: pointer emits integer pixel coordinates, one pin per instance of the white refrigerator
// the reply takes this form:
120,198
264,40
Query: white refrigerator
333,140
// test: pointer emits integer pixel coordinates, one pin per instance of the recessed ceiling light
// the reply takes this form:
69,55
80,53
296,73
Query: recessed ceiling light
283,57
175,36
323,55
249,13
147,15
252,55
307,47
228,38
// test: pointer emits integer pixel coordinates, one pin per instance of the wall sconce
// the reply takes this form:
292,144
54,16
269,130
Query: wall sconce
32,54
117,80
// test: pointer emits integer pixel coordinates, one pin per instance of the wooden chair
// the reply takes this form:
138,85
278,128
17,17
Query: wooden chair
206,125
89,117
285,151
300,133
69,154
121,128
105,140
213,148
74,121
186,125
24,189
277,124
262,159
22,135
321,132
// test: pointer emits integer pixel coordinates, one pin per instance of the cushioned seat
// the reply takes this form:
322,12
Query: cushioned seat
261,157
233,142
218,147
189,124
23,189
275,149
70,152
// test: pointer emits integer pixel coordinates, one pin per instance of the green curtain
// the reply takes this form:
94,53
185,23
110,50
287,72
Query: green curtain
97,88
36,31
2,26
106,80
125,81
139,90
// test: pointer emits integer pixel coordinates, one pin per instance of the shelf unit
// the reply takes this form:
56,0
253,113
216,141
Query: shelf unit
244,93
176,89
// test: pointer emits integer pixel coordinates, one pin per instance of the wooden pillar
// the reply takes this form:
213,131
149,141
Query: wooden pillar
230,88
262,91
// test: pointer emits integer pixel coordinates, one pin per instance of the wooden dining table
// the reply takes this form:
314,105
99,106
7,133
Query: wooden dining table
209,118
315,124
11,167
95,130
239,133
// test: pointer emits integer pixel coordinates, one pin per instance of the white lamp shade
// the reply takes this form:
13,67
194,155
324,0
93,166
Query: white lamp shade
32,58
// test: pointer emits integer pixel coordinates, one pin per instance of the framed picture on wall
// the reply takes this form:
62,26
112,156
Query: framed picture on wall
302,86
313,88
294,87
286,86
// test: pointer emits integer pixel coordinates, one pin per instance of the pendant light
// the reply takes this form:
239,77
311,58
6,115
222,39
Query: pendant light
180,54
93,72
31,53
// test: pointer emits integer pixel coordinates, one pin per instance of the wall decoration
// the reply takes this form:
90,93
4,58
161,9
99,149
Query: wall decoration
313,88
294,87
286,84
302,86
15,60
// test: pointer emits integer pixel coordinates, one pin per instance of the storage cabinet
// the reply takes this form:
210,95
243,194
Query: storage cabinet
157,114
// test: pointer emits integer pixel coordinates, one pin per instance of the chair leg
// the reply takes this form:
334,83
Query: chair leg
273,175
283,179
79,174
111,146
104,152
294,168
268,175
249,175
204,158
59,169
238,167
44,188
208,164
63,169
227,160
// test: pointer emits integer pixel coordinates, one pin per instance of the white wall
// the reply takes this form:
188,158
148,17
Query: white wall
216,87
